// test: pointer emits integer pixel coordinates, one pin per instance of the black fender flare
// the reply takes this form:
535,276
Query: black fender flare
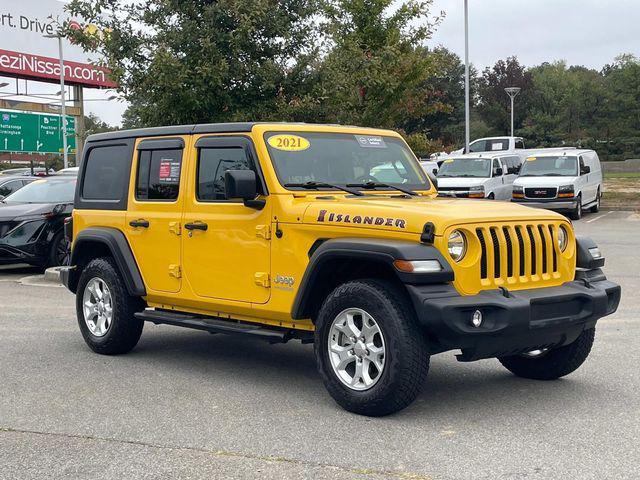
116,242
379,250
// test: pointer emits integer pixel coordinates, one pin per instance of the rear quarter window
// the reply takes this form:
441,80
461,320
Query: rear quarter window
104,176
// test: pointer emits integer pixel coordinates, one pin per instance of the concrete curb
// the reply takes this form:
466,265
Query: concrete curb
50,278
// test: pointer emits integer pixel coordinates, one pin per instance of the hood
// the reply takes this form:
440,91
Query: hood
12,211
410,214
544,181
444,182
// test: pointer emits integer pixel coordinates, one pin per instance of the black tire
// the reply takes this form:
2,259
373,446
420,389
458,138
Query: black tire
58,251
491,196
555,363
596,207
125,330
406,355
576,213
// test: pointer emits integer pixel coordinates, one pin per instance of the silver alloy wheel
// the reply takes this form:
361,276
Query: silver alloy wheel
97,307
356,349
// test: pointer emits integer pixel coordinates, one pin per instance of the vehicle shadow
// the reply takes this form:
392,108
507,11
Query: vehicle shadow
451,386
15,271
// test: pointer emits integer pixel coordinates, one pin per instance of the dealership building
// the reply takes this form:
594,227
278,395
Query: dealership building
32,100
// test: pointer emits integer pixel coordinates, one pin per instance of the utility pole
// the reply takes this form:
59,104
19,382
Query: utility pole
78,96
512,92
466,77
65,153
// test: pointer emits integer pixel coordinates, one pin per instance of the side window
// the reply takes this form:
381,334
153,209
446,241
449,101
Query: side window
213,162
10,187
496,166
106,173
581,165
158,175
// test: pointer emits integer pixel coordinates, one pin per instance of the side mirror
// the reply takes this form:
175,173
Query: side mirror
497,172
435,171
585,169
242,184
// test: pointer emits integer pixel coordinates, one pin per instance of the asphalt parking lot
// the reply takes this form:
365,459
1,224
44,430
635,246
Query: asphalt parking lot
185,404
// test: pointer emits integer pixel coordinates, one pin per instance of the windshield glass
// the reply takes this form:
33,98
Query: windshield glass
45,191
493,145
465,167
342,159
557,166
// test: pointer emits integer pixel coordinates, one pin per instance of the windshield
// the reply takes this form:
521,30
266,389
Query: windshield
465,167
557,166
343,159
492,145
45,191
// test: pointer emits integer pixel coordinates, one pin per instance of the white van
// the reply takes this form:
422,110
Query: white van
478,176
564,181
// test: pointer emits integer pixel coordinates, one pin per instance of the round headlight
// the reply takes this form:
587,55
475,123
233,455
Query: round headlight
457,245
563,239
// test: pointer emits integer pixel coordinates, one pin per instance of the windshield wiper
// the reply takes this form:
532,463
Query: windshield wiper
373,185
311,185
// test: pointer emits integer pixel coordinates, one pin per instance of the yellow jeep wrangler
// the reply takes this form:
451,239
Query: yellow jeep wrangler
326,234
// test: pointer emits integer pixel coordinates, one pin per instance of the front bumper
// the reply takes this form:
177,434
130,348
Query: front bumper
513,322
550,204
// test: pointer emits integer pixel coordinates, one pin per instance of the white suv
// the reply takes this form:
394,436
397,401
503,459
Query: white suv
565,181
478,176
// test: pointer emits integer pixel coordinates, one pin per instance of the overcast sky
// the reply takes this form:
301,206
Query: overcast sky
582,32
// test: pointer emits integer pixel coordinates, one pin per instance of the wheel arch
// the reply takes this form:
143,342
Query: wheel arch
335,261
95,242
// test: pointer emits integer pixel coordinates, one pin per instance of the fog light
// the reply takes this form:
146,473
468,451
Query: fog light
476,318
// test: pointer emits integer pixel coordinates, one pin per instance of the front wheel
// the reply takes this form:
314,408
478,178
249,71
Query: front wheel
576,213
105,310
551,364
370,352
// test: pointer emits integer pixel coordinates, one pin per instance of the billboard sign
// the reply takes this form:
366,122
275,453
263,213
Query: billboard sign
34,133
26,53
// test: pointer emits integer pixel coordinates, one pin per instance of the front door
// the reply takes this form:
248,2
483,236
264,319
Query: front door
227,246
155,210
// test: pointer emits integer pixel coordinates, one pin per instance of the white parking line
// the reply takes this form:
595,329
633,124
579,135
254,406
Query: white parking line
598,218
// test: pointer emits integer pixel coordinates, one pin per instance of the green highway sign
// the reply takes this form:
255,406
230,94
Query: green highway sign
34,133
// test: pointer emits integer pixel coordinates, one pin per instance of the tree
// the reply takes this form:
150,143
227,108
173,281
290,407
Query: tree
494,104
199,61
376,66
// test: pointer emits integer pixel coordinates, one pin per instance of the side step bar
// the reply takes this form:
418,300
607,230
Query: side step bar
217,325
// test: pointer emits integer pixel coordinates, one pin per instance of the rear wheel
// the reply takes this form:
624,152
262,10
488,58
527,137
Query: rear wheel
105,309
59,251
491,196
596,207
553,363
576,213
370,353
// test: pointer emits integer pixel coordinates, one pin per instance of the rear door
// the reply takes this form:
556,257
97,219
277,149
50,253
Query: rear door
155,210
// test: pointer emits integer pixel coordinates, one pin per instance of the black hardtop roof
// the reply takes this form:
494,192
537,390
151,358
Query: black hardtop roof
231,127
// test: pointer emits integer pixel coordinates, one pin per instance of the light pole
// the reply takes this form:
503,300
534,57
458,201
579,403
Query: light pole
512,92
65,154
466,76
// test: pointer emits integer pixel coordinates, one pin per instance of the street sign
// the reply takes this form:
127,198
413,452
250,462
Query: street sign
34,133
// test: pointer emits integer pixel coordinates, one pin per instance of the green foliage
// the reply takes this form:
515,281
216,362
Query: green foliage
359,62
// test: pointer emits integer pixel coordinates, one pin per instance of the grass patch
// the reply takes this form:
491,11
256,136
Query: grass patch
622,175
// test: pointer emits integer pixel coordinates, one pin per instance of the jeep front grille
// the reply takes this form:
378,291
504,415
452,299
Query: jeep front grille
516,253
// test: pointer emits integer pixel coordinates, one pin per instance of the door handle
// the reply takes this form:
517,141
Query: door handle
139,223
196,226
